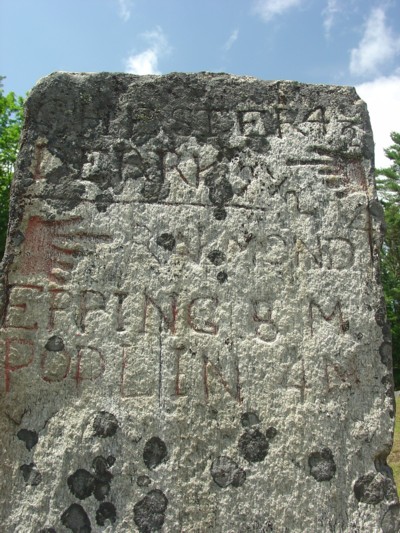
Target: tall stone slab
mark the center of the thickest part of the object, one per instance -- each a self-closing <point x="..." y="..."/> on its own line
<point x="193" y="333"/>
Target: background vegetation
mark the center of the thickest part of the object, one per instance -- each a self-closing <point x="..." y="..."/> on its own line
<point x="388" y="183"/>
<point x="11" y="115"/>
<point x="394" y="457"/>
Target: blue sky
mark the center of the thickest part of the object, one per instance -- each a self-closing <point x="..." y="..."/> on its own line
<point x="344" y="42"/>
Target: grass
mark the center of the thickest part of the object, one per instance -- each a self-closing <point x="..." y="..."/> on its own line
<point x="394" y="457"/>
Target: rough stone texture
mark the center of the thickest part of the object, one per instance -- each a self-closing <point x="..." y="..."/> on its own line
<point x="193" y="333"/>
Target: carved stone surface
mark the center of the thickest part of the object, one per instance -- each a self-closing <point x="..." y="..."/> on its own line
<point x="193" y="331"/>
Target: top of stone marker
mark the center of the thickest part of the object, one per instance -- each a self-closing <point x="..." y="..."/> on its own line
<point x="69" y="114"/>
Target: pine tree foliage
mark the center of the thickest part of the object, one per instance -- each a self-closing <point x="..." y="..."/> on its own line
<point x="11" y="115"/>
<point x="388" y="184"/>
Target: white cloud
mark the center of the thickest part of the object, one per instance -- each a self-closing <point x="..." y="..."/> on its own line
<point x="232" y="38"/>
<point x="382" y="96"/>
<point x="267" y="9"/>
<point x="377" y="46"/>
<point x="146" y="62"/>
<point x="329" y="13"/>
<point x="124" y="9"/>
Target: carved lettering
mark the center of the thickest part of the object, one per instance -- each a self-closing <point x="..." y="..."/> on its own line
<point x="199" y="312"/>
<point x="253" y="123"/>
<point x="305" y="251"/>
<point x="36" y="166"/>
<point x="340" y="253"/>
<point x="120" y="318"/>
<point x="360" y="220"/>
<point x="274" y="250"/>
<point x="221" y="121"/>
<point x="328" y="317"/>
<point x="266" y="329"/>
<point x="60" y="300"/>
<point x="90" y="364"/>
<point x="186" y="256"/>
<point x="316" y="116"/>
<point x="209" y="370"/>
<point x="180" y="381"/>
<point x="90" y="300"/>
<point x="19" y="312"/>
<point x="168" y="320"/>
<point x="51" y="247"/>
<point x="191" y="161"/>
<point x="295" y="204"/>
<point x="19" y="354"/>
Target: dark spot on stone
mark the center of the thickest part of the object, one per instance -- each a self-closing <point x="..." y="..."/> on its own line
<point x="220" y="191"/>
<point x="322" y="465"/>
<point x="76" y="519"/>
<point x="149" y="513"/>
<point x="385" y="351"/>
<point x="271" y="432"/>
<point x="249" y="419"/>
<point x="225" y="472"/>
<point x="111" y="460"/>
<point x="103" y="201"/>
<point x="143" y="481"/>
<point x="48" y="530"/>
<point x="63" y="197"/>
<point x="371" y="488"/>
<point x="106" y="511"/>
<point x="239" y="477"/>
<point x="55" y="344"/>
<point x="26" y="470"/>
<point x="340" y="194"/>
<point x="380" y="314"/>
<point x="100" y="466"/>
<point x="166" y="241"/>
<point x="101" y="489"/>
<point x="154" y="453"/>
<point x="31" y="475"/>
<point x="155" y="189"/>
<point x="105" y="424"/>
<point x="248" y="237"/>
<point x="387" y="333"/>
<point x="219" y="213"/>
<point x="216" y="257"/>
<point x="103" y="477"/>
<point x="253" y="445"/>
<point x="257" y="144"/>
<point x="81" y="483"/>
<point x="376" y="210"/>
<point x="29" y="437"/>
<point x="214" y="413"/>
<point x="222" y="276"/>
<point x="268" y="527"/>
<point x="18" y="238"/>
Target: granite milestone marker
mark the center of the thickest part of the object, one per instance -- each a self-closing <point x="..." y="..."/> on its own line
<point x="193" y="333"/>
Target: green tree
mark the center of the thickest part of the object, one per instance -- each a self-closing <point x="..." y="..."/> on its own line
<point x="11" y="115"/>
<point x="388" y="183"/>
